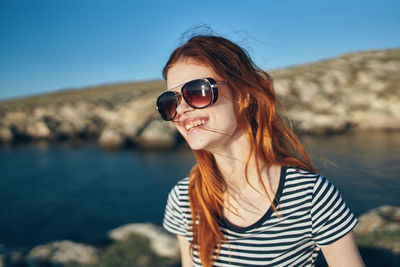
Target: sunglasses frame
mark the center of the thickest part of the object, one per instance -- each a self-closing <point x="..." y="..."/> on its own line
<point x="179" y="95"/>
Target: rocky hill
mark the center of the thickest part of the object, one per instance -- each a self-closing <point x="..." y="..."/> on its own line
<point x="358" y="91"/>
<point x="354" y="92"/>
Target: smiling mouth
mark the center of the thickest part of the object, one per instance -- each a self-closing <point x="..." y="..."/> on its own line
<point x="194" y="124"/>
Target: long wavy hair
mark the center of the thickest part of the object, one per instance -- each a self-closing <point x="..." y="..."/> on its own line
<point x="258" y="114"/>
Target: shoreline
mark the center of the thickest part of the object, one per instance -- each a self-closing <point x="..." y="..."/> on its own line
<point x="350" y="93"/>
<point x="377" y="235"/>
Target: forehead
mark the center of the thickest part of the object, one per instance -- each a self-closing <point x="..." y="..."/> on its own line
<point x="184" y="71"/>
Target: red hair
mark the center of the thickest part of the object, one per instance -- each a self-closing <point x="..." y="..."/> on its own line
<point x="271" y="137"/>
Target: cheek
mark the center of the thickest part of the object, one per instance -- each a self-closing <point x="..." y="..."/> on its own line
<point x="227" y="112"/>
<point x="177" y="126"/>
<point x="226" y="119"/>
<point x="231" y="116"/>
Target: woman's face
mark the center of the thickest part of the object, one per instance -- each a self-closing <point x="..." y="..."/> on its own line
<point x="218" y="126"/>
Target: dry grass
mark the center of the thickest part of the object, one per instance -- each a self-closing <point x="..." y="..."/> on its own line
<point x="105" y="95"/>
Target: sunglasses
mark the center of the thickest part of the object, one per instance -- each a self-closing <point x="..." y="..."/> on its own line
<point x="198" y="94"/>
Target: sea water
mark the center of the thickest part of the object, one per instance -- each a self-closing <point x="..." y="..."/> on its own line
<point x="58" y="191"/>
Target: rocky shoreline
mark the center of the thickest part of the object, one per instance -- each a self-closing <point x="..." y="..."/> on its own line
<point x="354" y="92"/>
<point x="145" y="244"/>
<point x="138" y="244"/>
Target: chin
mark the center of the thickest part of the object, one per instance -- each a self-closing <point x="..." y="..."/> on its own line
<point x="202" y="140"/>
<point x="196" y="146"/>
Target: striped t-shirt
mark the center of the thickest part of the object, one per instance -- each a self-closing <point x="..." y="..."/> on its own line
<point x="311" y="211"/>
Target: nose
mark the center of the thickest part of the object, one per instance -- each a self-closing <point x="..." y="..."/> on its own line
<point x="182" y="106"/>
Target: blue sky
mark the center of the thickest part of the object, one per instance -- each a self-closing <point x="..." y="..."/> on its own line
<point x="48" y="45"/>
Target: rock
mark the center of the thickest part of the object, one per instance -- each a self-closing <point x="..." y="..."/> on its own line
<point x="16" y="258"/>
<point x="372" y="121"/>
<point x="69" y="113"/>
<point x="163" y="243"/>
<point x="60" y="253"/>
<point x="105" y="115"/>
<point x="319" y="123"/>
<point x="356" y="91"/>
<point x="6" y="136"/>
<point x="73" y="120"/>
<point x="41" y="112"/>
<point x="158" y="134"/>
<point x="17" y="121"/>
<point x="111" y="139"/>
<point x="380" y="229"/>
<point x="65" y="130"/>
<point x="369" y="223"/>
<point x="133" y="117"/>
<point x="38" y="130"/>
<point x="384" y="218"/>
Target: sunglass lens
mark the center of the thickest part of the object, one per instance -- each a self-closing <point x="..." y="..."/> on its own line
<point x="166" y="105"/>
<point x="197" y="93"/>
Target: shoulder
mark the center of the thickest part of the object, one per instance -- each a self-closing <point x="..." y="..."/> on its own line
<point x="298" y="176"/>
<point x="182" y="187"/>
<point x="297" y="186"/>
<point x="183" y="184"/>
<point x="299" y="172"/>
<point x="177" y="211"/>
<point x="305" y="184"/>
<point x="179" y="194"/>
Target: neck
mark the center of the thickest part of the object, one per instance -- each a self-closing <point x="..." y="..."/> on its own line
<point x="231" y="162"/>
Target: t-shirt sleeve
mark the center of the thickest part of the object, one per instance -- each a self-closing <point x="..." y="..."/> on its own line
<point x="174" y="220"/>
<point x="330" y="216"/>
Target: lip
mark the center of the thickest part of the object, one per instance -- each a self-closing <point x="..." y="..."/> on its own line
<point x="186" y="121"/>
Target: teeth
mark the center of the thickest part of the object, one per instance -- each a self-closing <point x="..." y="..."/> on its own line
<point x="192" y="124"/>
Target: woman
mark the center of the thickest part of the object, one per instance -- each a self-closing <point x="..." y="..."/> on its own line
<point x="253" y="198"/>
